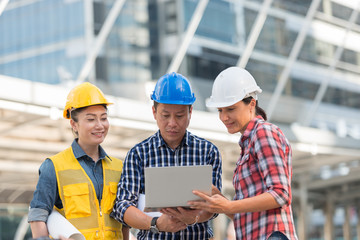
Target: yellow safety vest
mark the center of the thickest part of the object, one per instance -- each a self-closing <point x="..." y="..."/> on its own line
<point x="80" y="204"/>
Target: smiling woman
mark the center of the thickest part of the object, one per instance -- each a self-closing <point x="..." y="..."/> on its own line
<point x="81" y="181"/>
<point x="261" y="208"/>
<point x="90" y="125"/>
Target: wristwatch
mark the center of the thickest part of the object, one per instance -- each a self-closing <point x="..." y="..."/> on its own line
<point x="153" y="227"/>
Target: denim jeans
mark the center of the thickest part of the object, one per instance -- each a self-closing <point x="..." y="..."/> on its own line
<point x="277" y="236"/>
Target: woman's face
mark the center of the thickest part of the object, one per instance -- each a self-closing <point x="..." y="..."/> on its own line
<point x="236" y="117"/>
<point x="92" y="125"/>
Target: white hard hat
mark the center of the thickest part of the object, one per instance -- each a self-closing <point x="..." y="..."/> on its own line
<point x="231" y="86"/>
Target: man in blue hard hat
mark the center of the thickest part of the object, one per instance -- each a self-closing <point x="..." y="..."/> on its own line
<point x="171" y="145"/>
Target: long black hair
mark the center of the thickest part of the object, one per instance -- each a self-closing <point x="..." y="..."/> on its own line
<point x="258" y="110"/>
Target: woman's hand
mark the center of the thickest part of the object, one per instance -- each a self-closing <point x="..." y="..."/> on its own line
<point x="216" y="203"/>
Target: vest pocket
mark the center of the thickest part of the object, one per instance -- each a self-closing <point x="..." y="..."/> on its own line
<point x="110" y="195"/>
<point x="77" y="201"/>
<point x="112" y="234"/>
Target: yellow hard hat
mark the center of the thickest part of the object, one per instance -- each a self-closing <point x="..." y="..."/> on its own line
<point x="83" y="95"/>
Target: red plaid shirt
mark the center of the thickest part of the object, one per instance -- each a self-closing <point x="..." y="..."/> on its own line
<point x="264" y="166"/>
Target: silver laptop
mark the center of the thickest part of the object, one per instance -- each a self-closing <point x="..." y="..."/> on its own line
<point x="173" y="186"/>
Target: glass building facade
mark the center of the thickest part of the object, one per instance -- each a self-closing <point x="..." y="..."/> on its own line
<point x="39" y="37"/>
<point x="230" y="23"/>
<point x="223" y="34"/>
<point x="48" y="41"/>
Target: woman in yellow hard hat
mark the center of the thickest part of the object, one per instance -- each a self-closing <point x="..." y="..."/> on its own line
<point x="81" y="181"/>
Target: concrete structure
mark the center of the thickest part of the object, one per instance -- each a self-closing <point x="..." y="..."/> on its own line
<point x="304" y="54"/>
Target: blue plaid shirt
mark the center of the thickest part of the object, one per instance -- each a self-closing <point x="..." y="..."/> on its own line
<point x="154" y="152"/>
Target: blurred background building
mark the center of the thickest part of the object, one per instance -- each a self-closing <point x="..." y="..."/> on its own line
<point x="305" y="55"/>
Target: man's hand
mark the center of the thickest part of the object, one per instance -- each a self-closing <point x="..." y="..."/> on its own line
<point x="167" y="223"/>
<point x="187" y="216"/>
<point x="215" y="190"/>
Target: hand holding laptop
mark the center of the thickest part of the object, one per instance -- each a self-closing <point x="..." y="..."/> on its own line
<point x="185" y="215"/>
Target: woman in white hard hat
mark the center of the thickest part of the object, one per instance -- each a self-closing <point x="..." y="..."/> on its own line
<point x="262" y="178"/>
<point x="81" y="181"/>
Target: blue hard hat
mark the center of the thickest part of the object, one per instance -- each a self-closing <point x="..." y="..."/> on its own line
<point x="173" y="88"/>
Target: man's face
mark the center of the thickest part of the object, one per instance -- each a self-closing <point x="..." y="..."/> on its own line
<point x="172" y="121"/>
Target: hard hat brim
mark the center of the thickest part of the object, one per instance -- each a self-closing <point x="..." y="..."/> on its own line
<point x="212" y="104"/>
<point x="176" y="102"/>
<point x="65" y="112"/>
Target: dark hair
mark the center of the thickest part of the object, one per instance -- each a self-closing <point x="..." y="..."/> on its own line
<point x="75" y="112"/>
<point x="156" y="104"/>
<point x="258" y="110"/>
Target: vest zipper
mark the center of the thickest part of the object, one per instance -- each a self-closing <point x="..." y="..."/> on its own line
<point x="100" y="211"/>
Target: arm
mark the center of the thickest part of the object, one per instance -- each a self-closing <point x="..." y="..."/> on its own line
<point x="44" y="199"/>
<point x="39" y="229"/>
<point x="214" y="159"/>
<point x="129" y="188"/>
<point x="262" y="202"/>
<point x="214" y="191"/>
<point x="275" y="174"/>
<point x="125" y="233"/>
<point x="273" y="153"/>
<point x="219" y="204"/>
<point x="137" y="219"/>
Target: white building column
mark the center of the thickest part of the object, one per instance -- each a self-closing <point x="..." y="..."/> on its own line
<point x="358" y="220"/>
<point x="292" y="57"/>
<point x="303" y="213"/>
<point x="329" y="214"/>
<point x="188" y="36"/>
<point x="347" y="223"/>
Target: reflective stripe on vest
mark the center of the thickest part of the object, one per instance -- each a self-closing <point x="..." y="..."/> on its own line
<point x="77" y="193"/>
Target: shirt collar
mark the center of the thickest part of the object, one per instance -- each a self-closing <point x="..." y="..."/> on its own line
<point x="250" y="127"/>
<point x="79" y="152"/>
<point x="161" y="142"/>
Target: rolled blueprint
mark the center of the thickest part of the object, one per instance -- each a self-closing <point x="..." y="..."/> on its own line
<point x="58" y="226"/>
